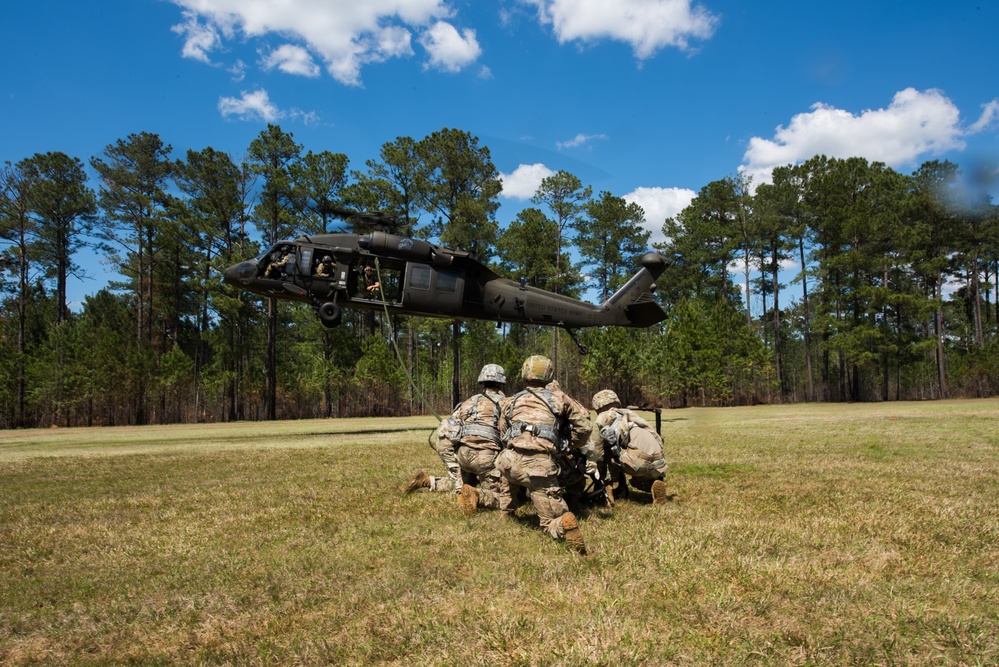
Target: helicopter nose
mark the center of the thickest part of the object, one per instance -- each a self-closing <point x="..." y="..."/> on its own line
<point x="241" y="273"/>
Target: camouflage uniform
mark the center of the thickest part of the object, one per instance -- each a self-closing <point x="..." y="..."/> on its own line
<point x="325" y="268"/>
<point x="480" y="443"/>
<point x="632" y="441"/>
<point x="534" y="418"/>
<point x="448" y="431"/>
<point x="278" y="266"/>
<point x="468" y="442"/>
<point x="370" y="279"/>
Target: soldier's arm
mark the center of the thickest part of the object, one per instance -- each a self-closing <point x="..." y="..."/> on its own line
<point x="579" y="422"/>
<point x="504" y="420"/>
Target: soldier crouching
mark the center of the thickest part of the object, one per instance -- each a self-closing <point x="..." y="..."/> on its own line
<point x="537" y="418"/>
<point x="480" y="443"/>
<point x="634" y="447"/>
<point x="448" y="431"/>
<point x="468" y="442"/>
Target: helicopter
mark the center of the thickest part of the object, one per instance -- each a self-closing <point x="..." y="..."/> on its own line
<point x="383" y="270"/>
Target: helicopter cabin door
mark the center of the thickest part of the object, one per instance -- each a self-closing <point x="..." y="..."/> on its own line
<point x="433" y="290"/>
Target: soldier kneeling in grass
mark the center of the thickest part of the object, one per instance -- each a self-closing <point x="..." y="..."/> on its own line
<point x="468" y="442"/>
<point x="635" y="449"/>
<point x="542" y="420"/>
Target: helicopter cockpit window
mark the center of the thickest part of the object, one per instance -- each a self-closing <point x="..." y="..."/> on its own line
<point x="419" y="277"/>
<point x="447" y="282"/>
<point x="280" y="263"/>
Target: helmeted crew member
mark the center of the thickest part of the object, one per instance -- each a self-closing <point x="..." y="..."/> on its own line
<point x="542" y="419"/>
<point x="278" y="266"/>
<point x="482" y="422"/>
<point x="632" y="443"/>
<point x="325" y="268"/>
<point x="371" y="283"/>
<point x="468" y="442"/>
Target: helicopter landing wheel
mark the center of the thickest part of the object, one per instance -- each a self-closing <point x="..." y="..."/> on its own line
<point x="329" y="314"/>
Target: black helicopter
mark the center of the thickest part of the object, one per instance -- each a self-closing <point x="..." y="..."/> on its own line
<point x="383" y="270"/>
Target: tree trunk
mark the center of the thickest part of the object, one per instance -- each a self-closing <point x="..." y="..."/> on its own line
<point x="777" y="355"/>
<point x="270" y="392"/>
<point x="807" y="325"/>
<point x="456" y="374"/>
<point x="939" y="330"/>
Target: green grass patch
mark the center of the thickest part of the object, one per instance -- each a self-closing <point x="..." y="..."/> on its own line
<point x="709" y="470"/>
<point x="814" y="534"/>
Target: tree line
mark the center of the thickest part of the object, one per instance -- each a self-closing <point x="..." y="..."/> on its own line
<point x="891" y="296"/>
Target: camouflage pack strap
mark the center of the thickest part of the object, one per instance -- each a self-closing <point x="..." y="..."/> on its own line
<point x="556" y="428"/>
<point x="573" y="459"/>
<point x="543" y="431"/>
<point x="490" y="433"/>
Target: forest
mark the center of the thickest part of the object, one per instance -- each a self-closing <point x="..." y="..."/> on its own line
<point x="855" y="283"/>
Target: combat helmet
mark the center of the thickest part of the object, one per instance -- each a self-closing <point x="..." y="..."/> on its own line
<point x="605" y="398"/>
<point x="492" y="373"/>
<point x="537" y="368"/>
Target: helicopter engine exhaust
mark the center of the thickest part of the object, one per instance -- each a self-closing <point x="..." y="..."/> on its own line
<point x="379" y="243"/>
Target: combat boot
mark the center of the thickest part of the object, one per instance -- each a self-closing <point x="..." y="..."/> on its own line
<point x="468" y="499"/>
<point x="420" y="481"/>
<point x="573" y="533"/>
<point x="609" y="495"/>
<point x="659" y="496"/>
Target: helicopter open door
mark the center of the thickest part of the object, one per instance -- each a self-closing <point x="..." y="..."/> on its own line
<point x="432" y="289"/>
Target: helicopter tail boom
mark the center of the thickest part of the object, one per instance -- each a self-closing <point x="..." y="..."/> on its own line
<point x="633" y="305"/>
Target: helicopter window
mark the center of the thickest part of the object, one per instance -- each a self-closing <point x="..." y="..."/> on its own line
<point x="447" y="282"/>
<point x="420" y="277"/>
<point x="305" y="260"/>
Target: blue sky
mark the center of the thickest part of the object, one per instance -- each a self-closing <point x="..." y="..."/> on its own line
<point x="647" y="99"/>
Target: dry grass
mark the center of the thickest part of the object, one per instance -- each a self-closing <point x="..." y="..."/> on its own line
<point x="859" y="534"/>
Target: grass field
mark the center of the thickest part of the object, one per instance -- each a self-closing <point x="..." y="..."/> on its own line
<point x="807" y="534"/>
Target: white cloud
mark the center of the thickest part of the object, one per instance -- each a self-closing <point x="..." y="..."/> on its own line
<point x="238" y="71"/>
<point x="647" y="25"/>
<point x="449" y="50"/>
<point x="579" y="140"/>
<point x="659" y="204"/>
<point x="257" y="105"/>
<point x="250" y="106"/>
<point x="525" y="180"/>
<point x="291" y="59"/>
<point x="346" y="34"/>
<point x="914" y="124"/>
<point x="989" y="118"/>
<point x="199" y="40"/>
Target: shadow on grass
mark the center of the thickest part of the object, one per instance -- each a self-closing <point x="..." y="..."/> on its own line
<point x="367" y="431"/>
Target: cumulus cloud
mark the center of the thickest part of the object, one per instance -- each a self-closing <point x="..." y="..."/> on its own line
<point x="199" y="39"/>
<point x="238" y="70"/>
<point x="659" y="204"/>
<point x="647" y="25"/>
<point x="257" y="105"/>
<point x="988" y="119"/>
<point x="916" y="123"/>
<point x="291" y="59"/>
<point x="525" y="180"/>
<point x="345" y="34"/>
<point x="579" y="140"/>
<point x="450" y="50"/>
<point x="251" y="106"/>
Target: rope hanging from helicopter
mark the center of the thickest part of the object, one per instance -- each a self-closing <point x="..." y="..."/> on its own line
<point x="398" y="355"/>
